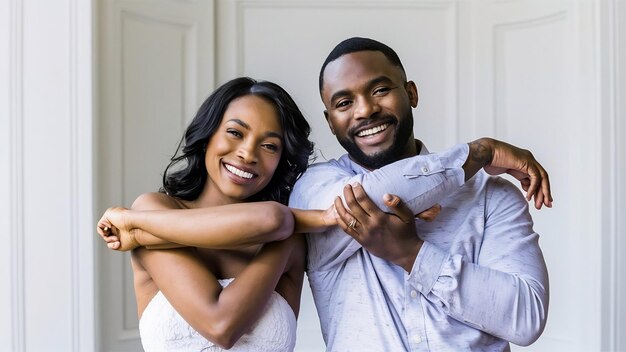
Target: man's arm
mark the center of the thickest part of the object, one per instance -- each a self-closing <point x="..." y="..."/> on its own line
<point x="421" y="181"/>
<point x="504" y="290"/>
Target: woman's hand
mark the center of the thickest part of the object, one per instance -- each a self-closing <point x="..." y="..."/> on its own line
<point x="309" y="221"/>
<point x="329" y="216"/>
<point x="115" y="229"/>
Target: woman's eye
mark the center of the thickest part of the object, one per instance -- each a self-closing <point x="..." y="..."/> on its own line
<point x="271" y="147"/>
<point x="234" y="132"/>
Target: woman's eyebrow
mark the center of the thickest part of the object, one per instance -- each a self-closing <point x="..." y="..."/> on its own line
<point x="247" y="127"/>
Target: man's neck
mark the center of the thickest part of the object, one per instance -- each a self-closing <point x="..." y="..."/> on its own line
<point x="418" y="146"/>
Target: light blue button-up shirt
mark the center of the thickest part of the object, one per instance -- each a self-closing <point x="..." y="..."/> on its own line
<point x="478" y="281"/>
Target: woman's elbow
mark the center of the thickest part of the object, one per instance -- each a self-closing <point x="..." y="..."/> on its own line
<point x="220" y="334"/>
<point x="278" y="222"/>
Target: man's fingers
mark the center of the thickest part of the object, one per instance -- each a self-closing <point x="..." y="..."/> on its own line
<point x="344" y="218"/>
<point x="365" y="202"/>
<point x="430" y="214"/>
<point x="353" y="204"/>
<point x="545" y="187"/>
<point x="397" y="206"/>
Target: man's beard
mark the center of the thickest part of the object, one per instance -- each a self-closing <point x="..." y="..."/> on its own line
<point x="404" y="130"/>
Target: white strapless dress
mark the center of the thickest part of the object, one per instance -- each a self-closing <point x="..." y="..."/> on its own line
<point x="163" y="329"/>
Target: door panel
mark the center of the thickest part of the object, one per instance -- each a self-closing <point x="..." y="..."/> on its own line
<point x="157" y="67"/>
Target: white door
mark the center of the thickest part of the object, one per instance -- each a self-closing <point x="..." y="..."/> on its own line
<point x="155" y="66"/>
<point x="523" y="71"/>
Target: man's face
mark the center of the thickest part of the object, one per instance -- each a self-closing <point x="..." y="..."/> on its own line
<point x="368" y="108"/>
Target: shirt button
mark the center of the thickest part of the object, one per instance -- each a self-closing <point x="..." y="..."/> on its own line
<point x="417" y="339"/>
<point x="424" y="169"/>
<point x="413" y="293"/>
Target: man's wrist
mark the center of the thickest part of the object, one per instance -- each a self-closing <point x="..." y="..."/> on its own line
<point x="480" y="155"/>
<point x="407" y="261"/>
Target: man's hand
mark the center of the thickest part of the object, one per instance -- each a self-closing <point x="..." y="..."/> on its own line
<point x="116" y="231"/>
<point x="497" y="157"/>
<point x="389" y="236"/>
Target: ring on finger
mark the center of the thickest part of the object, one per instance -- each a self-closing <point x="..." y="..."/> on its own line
<point x="352" y="224"/>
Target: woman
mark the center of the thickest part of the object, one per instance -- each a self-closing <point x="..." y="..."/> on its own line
<point x="240" y="157"/>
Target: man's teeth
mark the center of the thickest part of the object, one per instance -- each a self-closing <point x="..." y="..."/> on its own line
<point x="372" y="131"/>
<point x="238" y="172"/>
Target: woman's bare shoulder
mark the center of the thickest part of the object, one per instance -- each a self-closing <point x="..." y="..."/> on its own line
<point x="156" y="201"/>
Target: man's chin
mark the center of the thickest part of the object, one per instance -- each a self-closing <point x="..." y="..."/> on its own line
<point x="375" y="160"/>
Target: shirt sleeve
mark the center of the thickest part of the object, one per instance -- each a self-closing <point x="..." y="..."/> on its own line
<point x="421" y="181"/>
<point x="504" y="292"/>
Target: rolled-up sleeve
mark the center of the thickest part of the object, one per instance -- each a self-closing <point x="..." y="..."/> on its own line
<point x="421" y="181"/>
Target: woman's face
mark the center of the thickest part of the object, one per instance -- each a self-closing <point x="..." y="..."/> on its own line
<point x="244" y="152"/>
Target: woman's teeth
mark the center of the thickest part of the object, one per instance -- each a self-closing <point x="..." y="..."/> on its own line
<point x="238" y="172"/>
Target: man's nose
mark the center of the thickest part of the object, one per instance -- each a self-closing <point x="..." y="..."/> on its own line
<point x="366" y="107"/>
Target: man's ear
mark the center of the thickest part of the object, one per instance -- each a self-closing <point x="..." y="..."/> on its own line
<point x="411" y="90"/>
<point x="332" y="130"/>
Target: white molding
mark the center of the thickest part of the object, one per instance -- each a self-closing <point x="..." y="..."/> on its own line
<point x="242" y="5"/>
<point x="80" y="147"/>
<point x="612" y="267"/>
<point x="73" y="175"/>
<point x="16" y="167"/>
<point x="499" y="84"/>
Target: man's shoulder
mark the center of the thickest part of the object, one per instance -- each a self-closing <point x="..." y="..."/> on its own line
<point x="497" y="189"/>
<point x="332" y="166"/>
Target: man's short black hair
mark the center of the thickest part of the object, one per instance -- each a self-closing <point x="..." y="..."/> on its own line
<point x="355" y="44"/>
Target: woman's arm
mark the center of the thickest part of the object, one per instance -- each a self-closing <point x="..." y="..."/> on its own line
<point x="222" y="315"/>
<point x="258" y="222"/>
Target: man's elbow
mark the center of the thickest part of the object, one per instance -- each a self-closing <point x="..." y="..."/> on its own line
<point x="528" y="338"/>
<point x="531" y="332"/>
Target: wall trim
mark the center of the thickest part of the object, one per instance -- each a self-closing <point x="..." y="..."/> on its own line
<point x="80" y="147"/>
<point x="607" y="67"/>
<point x="16" y="167"/>
<point x="242" y="5"/>
<point x="499" y="84"/>
<point x="73" y="177"/>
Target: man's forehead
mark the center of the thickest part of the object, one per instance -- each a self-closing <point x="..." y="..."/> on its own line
<point x="359" y="66"/>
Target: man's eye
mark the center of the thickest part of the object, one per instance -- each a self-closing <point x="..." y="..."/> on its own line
<point x="343" y="103"/>
<point x="381" y="90"/>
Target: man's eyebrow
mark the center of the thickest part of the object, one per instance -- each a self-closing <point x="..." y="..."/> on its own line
<point x="378" y="80"/>
<point x="372" y="82"/>
<point x="246" y="126"/>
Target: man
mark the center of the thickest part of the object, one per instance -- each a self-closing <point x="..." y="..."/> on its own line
<point x="474" y="279"/>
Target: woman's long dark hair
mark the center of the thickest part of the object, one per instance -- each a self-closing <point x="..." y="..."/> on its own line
<point x="186" y="175"/>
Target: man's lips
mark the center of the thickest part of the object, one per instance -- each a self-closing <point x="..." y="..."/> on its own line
<point x="373" y="130"/>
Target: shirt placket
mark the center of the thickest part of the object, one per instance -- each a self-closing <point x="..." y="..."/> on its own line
<point x="414" y="318"/>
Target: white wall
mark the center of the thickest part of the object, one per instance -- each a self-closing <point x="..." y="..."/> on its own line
<point x="47" y="295"/>
<point x="46" y="143"/>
